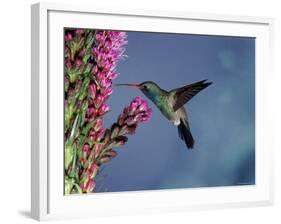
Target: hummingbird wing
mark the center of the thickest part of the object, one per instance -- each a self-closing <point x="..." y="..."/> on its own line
<point x="183" y="94"/>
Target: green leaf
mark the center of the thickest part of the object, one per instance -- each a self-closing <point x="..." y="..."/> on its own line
<point x="66" y="84"/>
<point x="82" y="113"/>
<point x="68" y="155"/>
<point x="74" y="47"/>
<point x="84" y="89"/>
<point x="78" y="188"/>
<point x="114" y="130"/>
<point x="74" y="129"/>
<point x="73" y="168"/>
<point x="73" y="75"/>
<point x="68" y="185"/>
<point x="88" y="69"/>
<point x="85" y="130"/>
<point x="90" y="40"/>
<point x="86" y="57"/>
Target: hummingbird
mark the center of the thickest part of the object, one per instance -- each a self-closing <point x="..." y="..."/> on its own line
<point x="171" y="104"/>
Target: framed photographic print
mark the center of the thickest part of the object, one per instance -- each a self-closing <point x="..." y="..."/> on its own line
<point x="148" y="111"/>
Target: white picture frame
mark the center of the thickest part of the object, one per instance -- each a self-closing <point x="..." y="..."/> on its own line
<point x="47" y="199"/>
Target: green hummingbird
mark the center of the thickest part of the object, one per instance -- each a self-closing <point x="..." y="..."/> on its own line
<point x="171" y="104"/>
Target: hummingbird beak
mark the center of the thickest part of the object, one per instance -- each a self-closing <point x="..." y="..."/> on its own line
<point x="131" y="85"/>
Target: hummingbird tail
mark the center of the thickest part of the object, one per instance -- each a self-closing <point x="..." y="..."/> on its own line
<point x="185" y="133"/>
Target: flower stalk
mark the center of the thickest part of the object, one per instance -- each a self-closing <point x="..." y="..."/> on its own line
<point x="91" y="57"/>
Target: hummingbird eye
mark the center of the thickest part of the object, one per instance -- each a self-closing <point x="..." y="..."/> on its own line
<point x="145" y="87"/>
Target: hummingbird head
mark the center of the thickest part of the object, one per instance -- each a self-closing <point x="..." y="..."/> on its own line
<point x="149" y="88"/>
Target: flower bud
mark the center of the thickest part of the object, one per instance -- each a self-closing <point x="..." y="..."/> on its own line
<point x="95" y="70"/>
<point x="98" y="125"/>
<point x="105" y="159"/>
<point x="111" y="154"/>
<point x="78" y="62"/>
<point x="98" y="101"/>
<point x="91" y="113"/>
<point x="112" y="75"/>
<point x="86" y="151"/>
<point x="107" y="92"/>
<point x="120" y="140"/>
<point x="82" y="53"/>
<point x="103" y="109"/>
<point x="92" y="90"/>
<point x="100" y="134"/>
<point x="114" y="130"/>
<point x="97" y="149"/>
<point x="90" y="186"/>
<point x="107" y="136"/>
<point x="93" y="169"/>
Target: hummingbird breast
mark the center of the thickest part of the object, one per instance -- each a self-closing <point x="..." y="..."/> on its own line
<point x="165" y="105"/>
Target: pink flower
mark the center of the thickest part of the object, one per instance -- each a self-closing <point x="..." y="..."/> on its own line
<point x="91" y="185"/>
<point x="100" y="76"/>
<point x="92" y="90"/>
<point x="78" y="62"/>
<point x="86" y="148"/>
<point x="133" y="107"/>
<point x="108" y="49"/>
<point x="93" y="169"/>
<point x="143" y="106"/>
<point x="88" y="186"/>
<point x="112" y="75"/>
<point x="138" y="111"/>
<point x="105" y="84"/>
<point x="96" y="52"/>
<point x="98" y="101"/>
<point x="103" y="109"/>
<point x="107" y="93"/>
<point x="95" y="70"/>
<point x="87" y="176"/>
<point x="81" y="53"/>
<point x="97" y="149"/>
<point x="97" y="135"/>
<point x="91" y="113"/>
<point x="86" y="152"/>
<point x="98" y="124"/>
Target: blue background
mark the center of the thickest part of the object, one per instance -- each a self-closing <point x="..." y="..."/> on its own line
<point x="222" y="117"/>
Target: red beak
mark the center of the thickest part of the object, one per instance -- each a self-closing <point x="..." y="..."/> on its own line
<point x="131" y="85"/>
